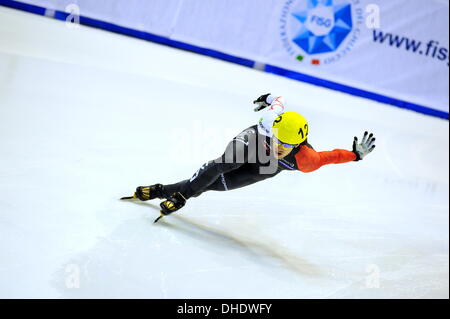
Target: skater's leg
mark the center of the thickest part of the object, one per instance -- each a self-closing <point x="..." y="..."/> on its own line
<point x="182" y="188"/>
<point x="238" y="178"/>
<point x="211" y="173"/>
<point x="175" y="188"/>
<point x="145" y="193"/>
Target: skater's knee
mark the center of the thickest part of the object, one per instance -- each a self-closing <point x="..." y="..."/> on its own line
<point x="224" y="167"/>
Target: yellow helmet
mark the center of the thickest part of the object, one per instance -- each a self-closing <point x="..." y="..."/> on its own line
<point x="290" y="128"/>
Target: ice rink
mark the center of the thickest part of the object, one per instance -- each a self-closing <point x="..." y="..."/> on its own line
<point x="87" y="115"/>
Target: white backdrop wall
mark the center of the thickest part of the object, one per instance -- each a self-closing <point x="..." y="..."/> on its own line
<point x="402" y="52"/>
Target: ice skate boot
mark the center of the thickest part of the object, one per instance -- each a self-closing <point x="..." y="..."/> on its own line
<point x="145" y="193"/>
<point x="171" y="205"/>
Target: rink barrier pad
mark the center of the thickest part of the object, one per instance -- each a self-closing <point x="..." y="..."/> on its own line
<point x="62" y="16"/>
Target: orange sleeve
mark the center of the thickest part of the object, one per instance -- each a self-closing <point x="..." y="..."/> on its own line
<point x="308" y="160"/>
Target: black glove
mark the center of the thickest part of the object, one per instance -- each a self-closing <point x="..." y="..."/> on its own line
<point x="365" y="147"/>
<point x="261" y="102"/>
<point x="172" y="204"/>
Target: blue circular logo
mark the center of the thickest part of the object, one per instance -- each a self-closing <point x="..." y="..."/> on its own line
<point x="315" y="27"/>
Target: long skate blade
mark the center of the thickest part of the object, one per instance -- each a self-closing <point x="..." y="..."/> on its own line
<point x="129" y="197"/>
<point x="157" y="219"/>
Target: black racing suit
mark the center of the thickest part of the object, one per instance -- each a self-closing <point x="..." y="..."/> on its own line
<point x="248" y="159"/>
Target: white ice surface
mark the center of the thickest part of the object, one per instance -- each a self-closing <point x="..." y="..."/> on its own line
<point x="87" y="115"/>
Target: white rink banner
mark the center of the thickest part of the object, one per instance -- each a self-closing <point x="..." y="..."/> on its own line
<point x="394" y="48"/>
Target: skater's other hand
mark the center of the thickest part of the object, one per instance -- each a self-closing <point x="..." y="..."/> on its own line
<point x="365" y="147"/>
<point x="261" y="102"/>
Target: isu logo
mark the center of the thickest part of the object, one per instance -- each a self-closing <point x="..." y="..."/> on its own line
<point x="320" y="31"/>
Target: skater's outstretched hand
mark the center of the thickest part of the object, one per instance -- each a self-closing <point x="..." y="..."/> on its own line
<point x="261" y="102"/>
<point x="365" y="147"/>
